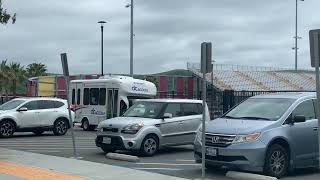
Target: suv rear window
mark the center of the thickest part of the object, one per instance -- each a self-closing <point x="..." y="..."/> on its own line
<point x="58" y="104"/>
<point x="45" y="104"/>
<point x="191" y="109"/>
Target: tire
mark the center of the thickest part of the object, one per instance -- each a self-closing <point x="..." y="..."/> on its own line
<point x="106" y="150"/>
<point x="85" y="125"/>
<point x="38" y="132"/>
<point x="209" y="166"/>
<point x="92" y="127"/>
<point x="60" y="127"/>
<point x="149" y="145"/>
<point x="7" y="128"/>
<point x="277" y="161"/>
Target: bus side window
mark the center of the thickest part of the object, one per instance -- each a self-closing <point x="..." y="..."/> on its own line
<point x="94" y="96"/>
<point x="123" y="107"/>
<point x="78" y="96"/>
<point x="73" y="96"/>
<point x="102" y="97"/>
<point x="86" y="96"/>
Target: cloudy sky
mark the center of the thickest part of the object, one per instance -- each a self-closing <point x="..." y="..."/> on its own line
<point x="168" y="33"/>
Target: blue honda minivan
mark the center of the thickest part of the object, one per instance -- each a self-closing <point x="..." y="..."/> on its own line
<point x="272" y="133"/>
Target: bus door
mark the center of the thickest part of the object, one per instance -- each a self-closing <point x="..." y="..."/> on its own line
<point x="112" y="102"/>
<point x="76" y="99"/>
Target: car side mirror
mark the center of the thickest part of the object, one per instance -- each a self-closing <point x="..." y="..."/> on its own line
<point x="299" y="118"/>
<point x="167" y="116"/>
<point x="22" y="109"/>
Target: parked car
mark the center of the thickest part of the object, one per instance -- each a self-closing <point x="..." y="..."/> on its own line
<point x="272" y="133"/>
<point x="34" y="115"/>
<point x="151" y="124"/>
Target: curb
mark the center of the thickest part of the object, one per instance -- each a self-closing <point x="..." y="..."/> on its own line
<point x="248" y="176"/>
<point x="122" y="157"/>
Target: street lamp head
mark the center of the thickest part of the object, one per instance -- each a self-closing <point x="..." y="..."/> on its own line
<point x="128" y="5"/>
<point x="102" y="22"/>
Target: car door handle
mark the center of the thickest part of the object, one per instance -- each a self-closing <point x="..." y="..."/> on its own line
<point x="180" y="122"/>
<point x="315" y="128"/>
<point x="37" y="112"/>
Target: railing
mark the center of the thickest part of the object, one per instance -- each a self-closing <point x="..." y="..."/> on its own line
<point x="229" y="67"/>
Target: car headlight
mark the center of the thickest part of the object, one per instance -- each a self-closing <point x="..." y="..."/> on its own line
<point x="132" y="128"/>
<point x="246" y="138"/>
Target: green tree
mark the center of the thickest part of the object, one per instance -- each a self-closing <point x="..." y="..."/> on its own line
<point x="17" y="75"/>
<point x="5" y="17"/>
<point x="36" y="69"/>
<point x="4" y="78"/>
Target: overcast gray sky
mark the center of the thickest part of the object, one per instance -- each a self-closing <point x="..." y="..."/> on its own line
<point x="168" y="33"/>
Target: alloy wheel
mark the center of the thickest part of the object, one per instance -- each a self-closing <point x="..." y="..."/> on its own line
<point x="7" y="129"/>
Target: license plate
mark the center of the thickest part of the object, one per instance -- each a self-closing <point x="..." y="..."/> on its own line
<point x="106" y="140"/>
<point x="211" y="152"/>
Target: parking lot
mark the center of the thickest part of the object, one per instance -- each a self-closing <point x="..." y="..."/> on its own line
<point x="175" y="161"/>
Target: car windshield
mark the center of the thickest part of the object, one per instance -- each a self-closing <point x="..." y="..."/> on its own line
<point x="260" y="109"/>
<point x="11" y="105"/>
<point x="145" y="110"/>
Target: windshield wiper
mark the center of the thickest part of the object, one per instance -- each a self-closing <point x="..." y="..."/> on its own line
<point x="254" y="118"/>
<point x="230" y="117"/>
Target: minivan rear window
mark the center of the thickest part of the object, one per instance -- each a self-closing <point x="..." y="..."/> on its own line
<point x="260" y="109"/>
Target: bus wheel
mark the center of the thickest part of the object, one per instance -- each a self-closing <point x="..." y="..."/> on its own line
<point x="85" y="125"/>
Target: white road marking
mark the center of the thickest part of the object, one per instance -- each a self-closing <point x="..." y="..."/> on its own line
<point x="185" y="160"/>
<point x="167" y="169"/>
<point x="53" y="148"/>
<point x="169" y="164"/>
<point x="49" y="151"/>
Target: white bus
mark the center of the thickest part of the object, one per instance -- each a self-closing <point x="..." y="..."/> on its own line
<point x="95" y="100"/>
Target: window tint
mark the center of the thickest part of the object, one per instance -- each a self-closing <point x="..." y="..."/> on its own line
<point x="78" y="96"/>
<point x="315" y="106"/>
<point x="102" y="98"/>
<point x="305" y="109"/>
<point x="73" y="96"/>
<point x="191" y="109"/>
<point x="174" y="109"/>
<point x="94" y="96"/>
<point x="58" y="104"/>
<point x="86" y="96"/>
<point x="33" y="105"/>
<point x="123" y="107"/>
<point x="45" y="104"/>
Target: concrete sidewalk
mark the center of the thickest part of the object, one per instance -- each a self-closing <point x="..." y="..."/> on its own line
<point x="15" y="165"/>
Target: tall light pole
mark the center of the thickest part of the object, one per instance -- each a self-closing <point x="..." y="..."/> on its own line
<point x="296" y="37"/>
<point x="101" y="25"/>
<point x="131" y="37"/>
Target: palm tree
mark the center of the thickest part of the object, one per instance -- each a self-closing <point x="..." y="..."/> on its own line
<point x="4" y="77"/>
<point x="36" y="69"/>
<point x="17" y="74"/>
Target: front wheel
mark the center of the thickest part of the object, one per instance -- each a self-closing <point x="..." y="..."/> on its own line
<point x="60" y="127"/>
<point x="7" y="128"/>
<point x="107" y="150"/>
<point x="149" y="145"/>
<point x="85" y="125"/>
<point x="277" y="161"/>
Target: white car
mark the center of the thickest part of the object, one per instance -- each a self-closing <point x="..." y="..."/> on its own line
<point x="34" y="115"/>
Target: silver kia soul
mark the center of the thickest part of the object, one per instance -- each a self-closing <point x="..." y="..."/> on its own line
<point x="272" y="133"/>
<point x="151" y="124"/>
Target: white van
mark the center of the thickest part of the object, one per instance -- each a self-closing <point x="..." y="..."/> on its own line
<point x="95" y="100"/>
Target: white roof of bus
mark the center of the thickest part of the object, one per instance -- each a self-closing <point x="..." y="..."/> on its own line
<point x="128" y="84"/>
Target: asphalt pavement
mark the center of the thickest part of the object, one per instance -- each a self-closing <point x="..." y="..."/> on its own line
<point x="173" y="161"/>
